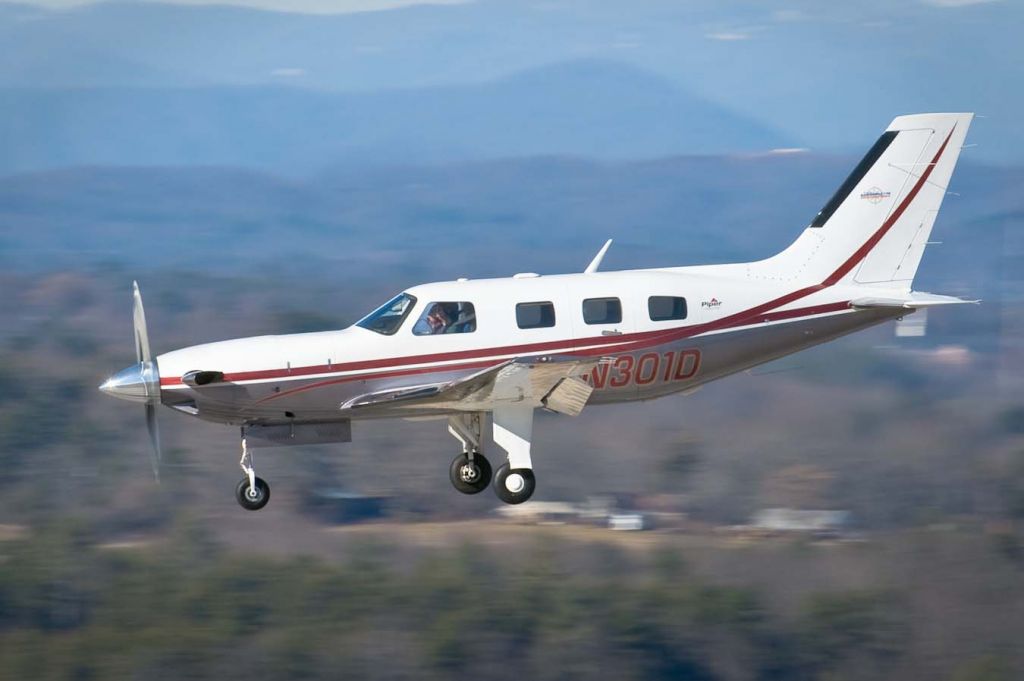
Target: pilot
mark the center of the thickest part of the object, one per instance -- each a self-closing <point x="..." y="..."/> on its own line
<point x="438" y="319"/>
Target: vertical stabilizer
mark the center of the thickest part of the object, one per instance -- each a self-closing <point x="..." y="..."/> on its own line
<point x="874" y="229"/>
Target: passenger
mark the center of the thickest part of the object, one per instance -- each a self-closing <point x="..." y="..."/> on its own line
<point x="465" y="318"/>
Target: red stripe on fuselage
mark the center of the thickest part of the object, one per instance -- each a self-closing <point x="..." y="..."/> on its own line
<point x="589" y="352"/>
<point x="525" y="349"/>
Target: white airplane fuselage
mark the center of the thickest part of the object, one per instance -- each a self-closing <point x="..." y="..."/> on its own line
<point x="729" y="326"/>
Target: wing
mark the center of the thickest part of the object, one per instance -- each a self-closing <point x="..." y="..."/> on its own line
<point x="553" y="381"/>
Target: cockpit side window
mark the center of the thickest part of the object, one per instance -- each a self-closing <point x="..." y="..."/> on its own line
<point x="388" y="318"/>
<point x="443" y="317"/>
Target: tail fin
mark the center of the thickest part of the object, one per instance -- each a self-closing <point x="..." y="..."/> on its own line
<point x="875" y="227"/>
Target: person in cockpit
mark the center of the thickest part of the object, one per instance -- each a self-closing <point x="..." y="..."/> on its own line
<point x="446" y="318"/>
<point x="435" y="321"/>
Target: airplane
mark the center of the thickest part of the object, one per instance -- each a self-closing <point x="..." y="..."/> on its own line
<point x="468" y="351"/>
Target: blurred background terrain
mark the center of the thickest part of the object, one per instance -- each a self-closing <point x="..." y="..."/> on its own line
<point x="852" y="512"/>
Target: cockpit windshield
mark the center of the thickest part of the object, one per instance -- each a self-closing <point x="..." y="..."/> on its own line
<point x="387" y="318"/>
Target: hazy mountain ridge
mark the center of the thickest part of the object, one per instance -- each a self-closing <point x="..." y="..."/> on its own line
<point x="587" y="108"/>
<point x="824" y="74"/>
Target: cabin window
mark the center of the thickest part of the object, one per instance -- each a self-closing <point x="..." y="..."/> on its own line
<point x="443" y="317"/>
<point x="539" y="315"/>
<point x="388" y="318"/>
<point x="602" y="311"/>
<point x="664" y="308"/>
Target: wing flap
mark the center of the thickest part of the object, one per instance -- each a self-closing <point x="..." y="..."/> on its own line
<point x="550" y="381"/>
<point x="569" y="396"/>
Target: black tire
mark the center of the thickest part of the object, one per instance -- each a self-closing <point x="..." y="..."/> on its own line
<point x="470" y="478"/>
<point x="527" y="483"/>
<point x="256" y="501"/>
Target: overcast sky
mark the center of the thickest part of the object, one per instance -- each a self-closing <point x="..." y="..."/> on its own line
<point x="347" y="6"/>
<point x="310" y="6"/>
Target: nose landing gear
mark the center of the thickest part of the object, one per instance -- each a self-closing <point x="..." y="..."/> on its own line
<point x="252" y="497"/>
<point x="252" y="493"/>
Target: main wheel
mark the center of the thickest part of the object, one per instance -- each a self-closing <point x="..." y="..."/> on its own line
<point x="255" y="498"/>
<point x="470" y="477"/>
<point x="514" y="485"/>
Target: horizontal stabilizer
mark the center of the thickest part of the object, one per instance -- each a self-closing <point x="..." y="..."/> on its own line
<point x="912" y="301"/>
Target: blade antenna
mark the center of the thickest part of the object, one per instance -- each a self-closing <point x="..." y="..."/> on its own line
<point x="596" y="262"/>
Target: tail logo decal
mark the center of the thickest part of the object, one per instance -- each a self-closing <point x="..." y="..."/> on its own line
<point x="875" y="195"/>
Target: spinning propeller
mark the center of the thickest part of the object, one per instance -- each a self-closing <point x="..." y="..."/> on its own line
<point x="141" y="381"/>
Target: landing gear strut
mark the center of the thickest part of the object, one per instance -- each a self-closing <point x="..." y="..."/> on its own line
<point x="470" y="471"/>
<point x="514" y="481"/>
<point x="252" y="493"/>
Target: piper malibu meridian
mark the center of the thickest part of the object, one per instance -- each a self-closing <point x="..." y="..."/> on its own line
<point x="462" y="349"/>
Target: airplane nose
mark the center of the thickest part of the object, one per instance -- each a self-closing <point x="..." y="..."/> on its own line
<point x="137" y="383"/>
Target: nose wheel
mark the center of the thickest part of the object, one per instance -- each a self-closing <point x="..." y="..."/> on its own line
<point x="252" y="493"/>
<point x="252" y="497"/>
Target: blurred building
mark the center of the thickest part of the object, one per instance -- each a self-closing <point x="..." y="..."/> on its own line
<point x="821" y="523"/>
<point x="540" y="511"/>
<point x="613" y="511"/>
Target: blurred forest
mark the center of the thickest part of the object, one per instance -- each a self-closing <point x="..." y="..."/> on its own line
<point x="104" y="574"/>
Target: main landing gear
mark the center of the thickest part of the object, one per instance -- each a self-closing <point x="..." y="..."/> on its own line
<point x="514" y="485"/>
<point x="470" y="471"/>
<point x="252" y="493"/>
